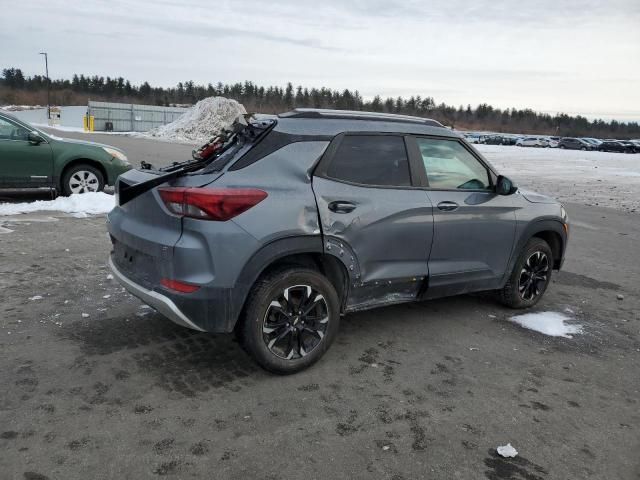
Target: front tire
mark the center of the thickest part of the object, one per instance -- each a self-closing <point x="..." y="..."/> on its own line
<point x="290" y="319"/>
<point x="82" y="178"/>
<point x="530" y="277"/>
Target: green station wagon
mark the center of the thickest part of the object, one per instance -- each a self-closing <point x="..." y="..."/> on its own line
<point x="31" y="159"/>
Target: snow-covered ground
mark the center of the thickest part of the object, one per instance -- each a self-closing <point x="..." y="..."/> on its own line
<point x="590" y="178"/>
<point x="78" y="205"/>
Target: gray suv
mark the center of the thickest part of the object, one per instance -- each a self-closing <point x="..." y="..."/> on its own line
<point x="278" y="227"/>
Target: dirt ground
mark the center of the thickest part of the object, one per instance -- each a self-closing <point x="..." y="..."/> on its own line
<point x="97" y="386"/>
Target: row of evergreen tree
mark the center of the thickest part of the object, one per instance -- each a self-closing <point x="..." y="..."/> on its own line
<point x="276" y="99"/>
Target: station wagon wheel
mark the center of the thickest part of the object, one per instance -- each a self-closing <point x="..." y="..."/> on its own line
<point x="83" y="181"/>
<point x="530" y="275"/>
<point x="82" y="178"/>
<point x="290" y="319"/>
<point x="534" y="275"/>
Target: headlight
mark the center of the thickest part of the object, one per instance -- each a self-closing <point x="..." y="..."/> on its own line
<point x="117" y="154"/>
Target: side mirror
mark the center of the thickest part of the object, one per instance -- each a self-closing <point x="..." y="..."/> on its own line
<point x="35" y="138"/>
<point x="505" y="186"/>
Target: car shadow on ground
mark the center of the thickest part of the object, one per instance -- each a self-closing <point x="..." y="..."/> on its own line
<point x="26" y="197"/>
<point x="181" y="360"/>
<point x="186" y="361"/>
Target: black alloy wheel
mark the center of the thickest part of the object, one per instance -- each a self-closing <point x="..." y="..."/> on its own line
<point x="530" y="275"/>
<point x="534" y="276"/>
<point x="295" y="322"/>
<point x="291" y="317"/>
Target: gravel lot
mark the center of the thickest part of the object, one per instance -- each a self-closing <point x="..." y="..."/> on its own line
<point x="97" y="386"/>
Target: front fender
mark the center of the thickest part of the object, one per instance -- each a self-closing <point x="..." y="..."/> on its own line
<point x="545" y="224"/>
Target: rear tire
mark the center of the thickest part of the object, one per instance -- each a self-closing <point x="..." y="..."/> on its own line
<point x="530" y="277"/>
<point x="82" y="178"/>
<point x="290" y="319"/>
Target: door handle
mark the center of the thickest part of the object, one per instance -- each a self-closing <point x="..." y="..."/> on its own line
<point x="341" y="207"/>
<point x="448" y="206"/>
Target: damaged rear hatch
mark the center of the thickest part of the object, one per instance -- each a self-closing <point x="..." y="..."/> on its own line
<point x="142" y="228"/>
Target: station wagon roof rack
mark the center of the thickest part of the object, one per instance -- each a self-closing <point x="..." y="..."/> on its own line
<point x="357" y="115"/>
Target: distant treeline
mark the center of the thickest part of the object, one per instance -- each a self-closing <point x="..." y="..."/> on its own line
<point x="15" y="88"/>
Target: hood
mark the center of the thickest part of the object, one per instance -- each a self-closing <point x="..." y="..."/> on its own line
<point x="535" y="197"/>
<point x="81" y="142"/>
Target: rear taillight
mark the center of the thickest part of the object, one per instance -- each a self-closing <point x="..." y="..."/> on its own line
<point x="218" y="204"/>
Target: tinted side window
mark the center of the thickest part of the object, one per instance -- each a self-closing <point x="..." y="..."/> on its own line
<point x="371" y="160"/>
<point x="450" y="166"/>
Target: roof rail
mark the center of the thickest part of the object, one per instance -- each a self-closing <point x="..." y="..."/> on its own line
<point x="357" y="115"/>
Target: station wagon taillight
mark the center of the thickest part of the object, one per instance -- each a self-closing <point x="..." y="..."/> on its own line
<point x="218" y="204"/>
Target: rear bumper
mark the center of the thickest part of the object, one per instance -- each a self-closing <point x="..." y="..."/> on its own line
<point x="161" y="303"/>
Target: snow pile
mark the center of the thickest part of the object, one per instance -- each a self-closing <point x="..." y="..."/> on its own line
<point x="201" y="122"/>
<point x="549" y="323"/>
<point x="507" y="451"/>
<point x="79" y="205"/>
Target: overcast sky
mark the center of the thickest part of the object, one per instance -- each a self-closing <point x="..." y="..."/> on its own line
<point x="550" y="55"/>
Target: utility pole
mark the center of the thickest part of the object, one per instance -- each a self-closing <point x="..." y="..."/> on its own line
<point x="46" y="66"/>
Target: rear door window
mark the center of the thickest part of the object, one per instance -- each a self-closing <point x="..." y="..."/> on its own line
<point x="449" y="165"/>
<point x="371" y="160"/>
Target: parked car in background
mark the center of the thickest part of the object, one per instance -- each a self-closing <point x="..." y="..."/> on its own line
<point x="294" y="221"/>
<point x="593" y="141"/>
<point x="494" y="140"/>
<point x="508" y="139"/>
<point x="571" y="143"/>
<point x="630" y="146"/>
<point x="474" y="138"/>
<point x="548" y="142"/>
<point x="529" y="142"/>
<point x="616" y="146"/>
<point x="31" y="159"/>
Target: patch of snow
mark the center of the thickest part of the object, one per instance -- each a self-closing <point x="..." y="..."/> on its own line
<point x="201" y="122"/>
<point x="36" y="297"/>
<point x="79" y="205"/>
<point x="507" y="451"/>
<point x="19" y="108"/>
<point x="550" y="323"/>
